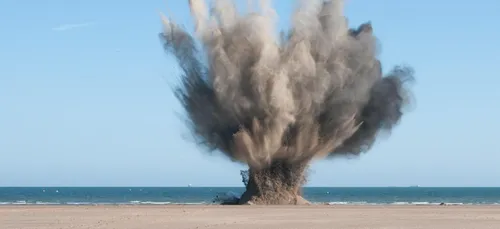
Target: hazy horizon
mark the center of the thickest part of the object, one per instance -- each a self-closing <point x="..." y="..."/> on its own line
<point x="241" y="186"/>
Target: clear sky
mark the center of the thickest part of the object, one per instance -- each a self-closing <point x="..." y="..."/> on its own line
<point x="85" y="98"/>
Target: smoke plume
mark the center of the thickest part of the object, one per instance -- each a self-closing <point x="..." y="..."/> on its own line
<point x="316" y="91"/>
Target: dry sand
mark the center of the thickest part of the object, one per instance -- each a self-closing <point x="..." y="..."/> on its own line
<point x="242" y="217"/>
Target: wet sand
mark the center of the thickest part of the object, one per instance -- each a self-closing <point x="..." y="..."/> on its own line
<point x="246" y="217"/>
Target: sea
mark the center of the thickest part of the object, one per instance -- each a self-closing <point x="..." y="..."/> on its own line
<point x="214" y="195"/>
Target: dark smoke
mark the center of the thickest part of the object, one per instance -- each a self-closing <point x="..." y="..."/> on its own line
<point x="316" y="91"/>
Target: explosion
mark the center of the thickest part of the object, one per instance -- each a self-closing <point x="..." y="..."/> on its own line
<point x="276" y="103"/>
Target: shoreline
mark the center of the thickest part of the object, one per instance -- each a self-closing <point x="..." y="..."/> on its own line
<point x="248" y="217"/>
<point x="152" y="203"/>
<point x="244" y="206"/>
<point x="216" y="195"/>
<point x="201" y="206"/>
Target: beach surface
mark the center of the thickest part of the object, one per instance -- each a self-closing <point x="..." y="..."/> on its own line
<point x="246" y="217"/>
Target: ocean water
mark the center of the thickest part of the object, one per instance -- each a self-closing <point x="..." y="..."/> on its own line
<point x="206" y="195"/>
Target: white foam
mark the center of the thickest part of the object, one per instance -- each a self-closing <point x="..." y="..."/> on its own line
<point x="400" y="203"/>
<point x="79" y="203"/>
<point x="21" y="202"/>
<point x="154" y="203"/>
<point x="422" y="203"/>
<point x="46" y="203"/>
<point x="349" y="203"/>
<point x="137" y="202"/>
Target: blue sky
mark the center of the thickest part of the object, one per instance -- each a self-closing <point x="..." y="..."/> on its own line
<point x="85" y="97"/>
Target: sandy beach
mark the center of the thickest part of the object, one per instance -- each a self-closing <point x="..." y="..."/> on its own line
<point x="246" y="217"/>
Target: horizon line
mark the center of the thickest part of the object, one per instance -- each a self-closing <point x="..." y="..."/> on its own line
<point x="391" y="186"/>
